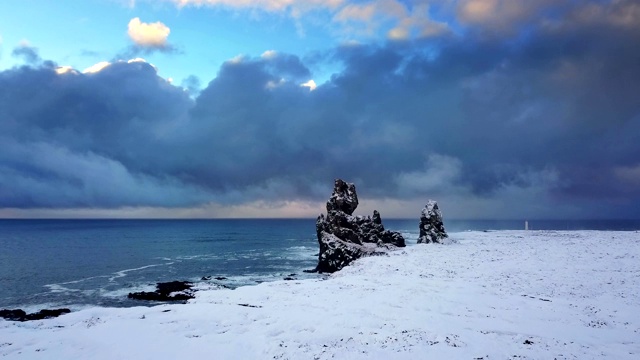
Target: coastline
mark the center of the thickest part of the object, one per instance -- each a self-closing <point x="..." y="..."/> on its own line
<point x="499" y="294"/>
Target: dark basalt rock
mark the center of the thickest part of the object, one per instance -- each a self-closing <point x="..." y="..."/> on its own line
<point x="337" y="253"/>
<point x="21" y="315"/>
<point x="344" y="198"/>
<point x="343" y="237"/>
<point x="168" y="291"/>
<point x="431" y="225"/>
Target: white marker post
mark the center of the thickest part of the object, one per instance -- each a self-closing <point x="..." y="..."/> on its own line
<point x="526" y="225"/>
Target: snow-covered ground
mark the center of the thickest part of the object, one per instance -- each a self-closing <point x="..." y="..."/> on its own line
<point x="494" y="295"/>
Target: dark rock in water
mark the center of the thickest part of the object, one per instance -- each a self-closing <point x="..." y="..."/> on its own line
<point x="205" y="278"/>
<point x="21" y="315"/>
<point x="13" y="315"/>
<point x="431" y="225"/>
<point x="288" y="278"/>
<point x="47" y="314"/>
<point x="343" y="237"/>
<point x="220" y="278"/>
<point x="173" y="286"/>
<point x="154" y="296"/>
<point x="168" y="291"/>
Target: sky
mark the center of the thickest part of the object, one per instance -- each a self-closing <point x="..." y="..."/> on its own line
<point x="497" y="109"/>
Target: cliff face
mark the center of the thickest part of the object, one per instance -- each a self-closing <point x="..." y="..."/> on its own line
<point x="343" y="237"/>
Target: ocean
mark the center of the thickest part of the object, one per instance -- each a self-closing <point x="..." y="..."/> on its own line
<point x="83" y="263"/>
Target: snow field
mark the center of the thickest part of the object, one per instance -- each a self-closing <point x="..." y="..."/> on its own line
<point x="491" y="295"/>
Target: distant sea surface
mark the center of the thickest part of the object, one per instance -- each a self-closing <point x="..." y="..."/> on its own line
<point x="81" y="263"/>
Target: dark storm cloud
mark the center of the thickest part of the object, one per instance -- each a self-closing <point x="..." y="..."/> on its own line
<point x="74" y="140"/>
<point x="551" y="117"/>
<point x="28" y="53"/>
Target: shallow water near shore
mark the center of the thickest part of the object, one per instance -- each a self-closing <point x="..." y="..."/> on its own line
<point x="80" y="263"/>
<point x="83" y="263"/>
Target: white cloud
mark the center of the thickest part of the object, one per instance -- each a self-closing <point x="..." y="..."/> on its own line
<point x="269" y="54"/>
<point x="151" y="35"/>
<point x="274" y="84"/>
<point x="310" y="84"/>
<point x="137" y="60"/>
<point x="96" y="67"/>
<point x="60" y="70"/>
<point x="236" y="59"/>
<point x="398" y="33"/>
<point x="103" y="64"/>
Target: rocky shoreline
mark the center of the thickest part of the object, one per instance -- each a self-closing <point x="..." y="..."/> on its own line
<point x="342" y="239"/>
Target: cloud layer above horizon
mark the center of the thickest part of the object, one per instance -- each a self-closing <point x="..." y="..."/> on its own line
<point x="513" y="109"/>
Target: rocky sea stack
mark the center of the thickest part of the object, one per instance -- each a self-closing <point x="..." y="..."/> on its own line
<point x="344" y="237"/>
<point x="431" y="225"/>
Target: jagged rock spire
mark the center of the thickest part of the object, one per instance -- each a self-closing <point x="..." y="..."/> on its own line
<point x="431" y="225"/>
<point x="344" y="197"/>
<point x="343" y="237"/>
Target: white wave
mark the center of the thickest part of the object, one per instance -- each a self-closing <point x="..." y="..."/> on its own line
<point x="123" y="273"/>
<point x="212" y="256"/>
<point x="58" y="288"/>
<point x="77" y="281"/>
<point x="122" y="293"/>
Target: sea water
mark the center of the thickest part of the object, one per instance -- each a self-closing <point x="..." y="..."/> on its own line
<point x="81" y="263"/>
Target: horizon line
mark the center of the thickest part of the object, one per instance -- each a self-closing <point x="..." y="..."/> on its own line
<point x="310" y="218"/>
